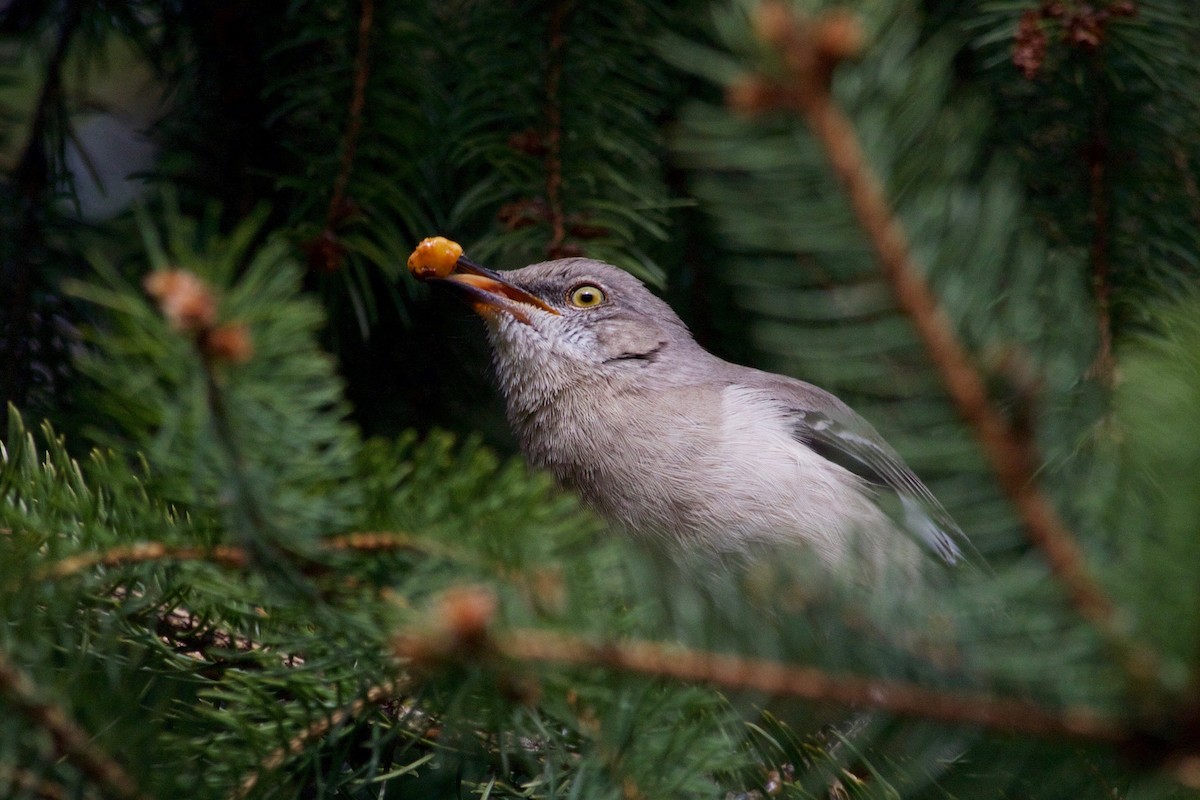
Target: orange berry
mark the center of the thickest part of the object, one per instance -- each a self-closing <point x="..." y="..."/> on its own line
<point x="434" y="257"/>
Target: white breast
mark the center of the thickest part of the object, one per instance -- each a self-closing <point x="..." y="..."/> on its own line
<point x="768" y="485"/>
<point x="715" y="468"/>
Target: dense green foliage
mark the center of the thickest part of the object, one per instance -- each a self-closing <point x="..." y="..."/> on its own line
<point x="277" y="544"/>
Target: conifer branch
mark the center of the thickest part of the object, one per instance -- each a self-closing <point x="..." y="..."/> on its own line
<point x="250" y="524"/>
<point x="1101" y="213"/>
<point x="374" y="696"/>
<point x="32" y="170"/>
<point x="235" y="557"/>
<point x="362" y="68"/>
<point x="32" y="178"/>
<point x="187" y="634"/>
<point x="385" y="541"/>
<point x="554" y="122"/>
<point x="587" y="721"/>
<point x="189" y="305"/>
<point x="28" y="784"/>
<point x="1005" y="715"/>
<point x="1190" y="186"/>
<point x="810" y="51"/>
<point x="71" y="742"/>
<point x="141" y="552"/>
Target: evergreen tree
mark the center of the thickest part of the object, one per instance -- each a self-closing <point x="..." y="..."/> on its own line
<point x="262" y="533"/>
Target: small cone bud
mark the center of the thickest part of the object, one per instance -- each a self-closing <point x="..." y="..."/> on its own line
<point x="840" y="35"/>
<point x="774" y="22"/>
<point x="186" y="301"/>
<point x="230" y="342"/>
<point x="466" y="613"/>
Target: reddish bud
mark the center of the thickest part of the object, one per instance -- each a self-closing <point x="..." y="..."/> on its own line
<point x="1085" y="27"/>
<point x="774" y="22"/>
<point x="230" y="342"/>
<point x="1029" y="45"/>
<point x="466" y="613"/>
<point x="753" y="93"/>
<point x="187" y="302"/>
<point x="839" y="35"/>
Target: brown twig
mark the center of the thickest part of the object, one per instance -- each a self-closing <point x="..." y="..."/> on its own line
<point x="374" y="696"/>
<point x="325" y="252"/>
<point x="461" y="625"/>
<point x="189" y="635"/>
<point x="362" y="69"/>
<point x="553" y="159"/>
<point x="808" y="683"/>
<point x="1101" y="213"/>
<point x="223" y="555"/>
<point x="232" y="556"/>
<point x="71" y="742"/>
<point x="810" y="51"/>
<point x="381" y="541"/>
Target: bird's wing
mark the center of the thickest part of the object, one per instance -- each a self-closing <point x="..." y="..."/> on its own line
<point x="830" y="428"/>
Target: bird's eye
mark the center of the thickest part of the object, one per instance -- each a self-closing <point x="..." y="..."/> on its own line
<point x="586" y="296"/>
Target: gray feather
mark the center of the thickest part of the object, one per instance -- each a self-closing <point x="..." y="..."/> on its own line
<point x="837" y="433"/>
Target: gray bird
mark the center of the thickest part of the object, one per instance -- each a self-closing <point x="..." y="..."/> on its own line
<point x="607" y="389"/>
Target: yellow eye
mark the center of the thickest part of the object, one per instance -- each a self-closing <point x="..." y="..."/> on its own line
<point x="587" y="296"/>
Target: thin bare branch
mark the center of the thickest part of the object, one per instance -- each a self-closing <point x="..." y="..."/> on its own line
<point x="358" y="98"/>
<point x="1100" y="200"/>
<point x="234" y="557"/>
<point x="224" y="555"/>
<point x="385" y="541"/>
<point x="553" y="160"/>
<point x="809" y="683"/>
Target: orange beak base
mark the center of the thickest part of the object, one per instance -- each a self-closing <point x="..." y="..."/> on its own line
<point x="489" y="293"/>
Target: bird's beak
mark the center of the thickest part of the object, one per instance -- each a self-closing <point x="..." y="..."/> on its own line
<point x="488" y="292"/>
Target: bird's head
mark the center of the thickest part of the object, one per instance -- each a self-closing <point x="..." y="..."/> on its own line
<point x="562" y="322"/>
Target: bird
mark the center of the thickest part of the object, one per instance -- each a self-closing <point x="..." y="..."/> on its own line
<point x="607" y="389"/>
